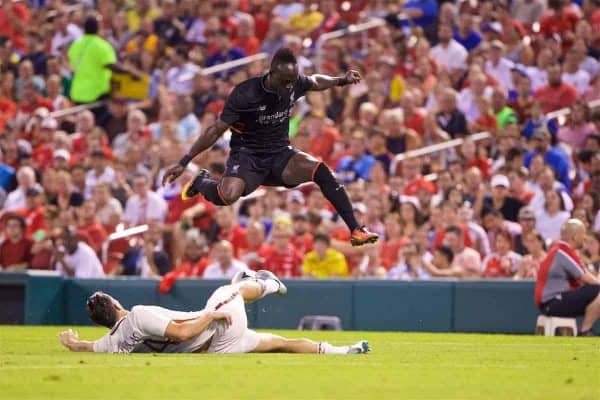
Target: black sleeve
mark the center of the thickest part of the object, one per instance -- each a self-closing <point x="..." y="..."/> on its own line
<point x="303" y="85"/>
<point x="233" y="107"/>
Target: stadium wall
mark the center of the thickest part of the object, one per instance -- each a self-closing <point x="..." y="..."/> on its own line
<point x="429" y="306"/>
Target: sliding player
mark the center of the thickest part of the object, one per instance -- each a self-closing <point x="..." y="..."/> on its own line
<point x="221" y="327"/>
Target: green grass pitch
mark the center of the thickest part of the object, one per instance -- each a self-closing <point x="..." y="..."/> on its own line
<point x="33" y="365"/>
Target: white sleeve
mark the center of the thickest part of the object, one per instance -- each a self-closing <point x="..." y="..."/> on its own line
<point x="129" y="215"/>
<point x="149" y="321"/>
<point x="102" y="345"/>
<point x="87" y="263"/>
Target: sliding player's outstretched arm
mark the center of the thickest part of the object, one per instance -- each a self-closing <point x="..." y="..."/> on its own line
<point x="70" y="340"/>
<point x="324" y="82"/>
<point x="204" y="141"/>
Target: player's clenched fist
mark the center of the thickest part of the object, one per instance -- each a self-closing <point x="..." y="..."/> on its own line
<point x="352" y="76"/>
<point x="172" y="173"/>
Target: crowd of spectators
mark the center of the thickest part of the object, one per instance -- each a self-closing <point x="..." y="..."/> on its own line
<point x="433" y="72"/>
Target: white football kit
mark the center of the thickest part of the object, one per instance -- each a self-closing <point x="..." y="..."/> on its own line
<point x="143" y="329"/>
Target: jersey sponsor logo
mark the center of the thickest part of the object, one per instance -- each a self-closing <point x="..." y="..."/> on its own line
<point x="274" y="119"/>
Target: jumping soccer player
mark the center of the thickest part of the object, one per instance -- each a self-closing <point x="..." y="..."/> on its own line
<point x="222" y="327"/>
<point x="257" y="112"/>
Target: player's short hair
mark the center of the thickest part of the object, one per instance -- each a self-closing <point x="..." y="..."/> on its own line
<point x="284" y="55"/>
<point x="101" y="310"/>
<point x="90" y="25"/>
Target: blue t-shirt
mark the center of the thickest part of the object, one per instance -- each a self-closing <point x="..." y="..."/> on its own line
<point x="470" y="42"/>
<point x="430" y="12"/>
<point x="349" y="169"/>
<point x="6" y="174"/>
<point x="559" y="163"/>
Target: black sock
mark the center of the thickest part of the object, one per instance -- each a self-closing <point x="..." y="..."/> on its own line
<point x="208" y="188"/>
<point x="336" y="194"/>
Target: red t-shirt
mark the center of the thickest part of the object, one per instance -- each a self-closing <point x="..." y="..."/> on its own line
<point x="284" y="265"/>
<point x="8" y="109"/>
<point x="177" y="206"/>
<point x="322" y="144"/>
<point x="34" y="219"/>
<point x="237" y="237"/>
<point x="250" y="45"/>
<point x="21" y="12"/>
<point x="29" y="108"/>
<point x="415" y="122"/>
<point x="186" y="269"/>
<point x="96" y="234"/>
<point x="388" y="252"/>
<point x="303" y="243"/>
<point x="15" y="253"/>
<point x="552" y="99"/>
<point x="494" y="269"/>
<point x="551" y="24"/>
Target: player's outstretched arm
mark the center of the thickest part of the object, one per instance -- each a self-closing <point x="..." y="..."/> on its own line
<point x="324" y="82"/>
<point x="181" y="331"/>
<point x="71" y="341"/>
<point x="204" y="141"/>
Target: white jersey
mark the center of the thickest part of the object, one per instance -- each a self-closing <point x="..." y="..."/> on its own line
<point x="143" y="331"/>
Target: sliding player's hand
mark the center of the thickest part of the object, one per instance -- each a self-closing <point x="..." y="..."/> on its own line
<point x="172" y="174"/>
<point x="66" y="337"/>
<point x="352" y="76"/>
<point x="217" y="315"/>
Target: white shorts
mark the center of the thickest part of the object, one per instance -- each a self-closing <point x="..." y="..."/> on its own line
<point x="236" y="338"/>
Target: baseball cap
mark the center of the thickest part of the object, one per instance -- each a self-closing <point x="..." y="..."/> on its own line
<point x="62" y="153"/>
<point x="526" y="212"/>
<point x="500" y="180"/>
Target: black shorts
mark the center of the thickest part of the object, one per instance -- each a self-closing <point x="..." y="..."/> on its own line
<point x="257" y="169"/>
<point x="572" y="303"/>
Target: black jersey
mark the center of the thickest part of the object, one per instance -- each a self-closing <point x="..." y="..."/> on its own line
<point x="260" y="118"/>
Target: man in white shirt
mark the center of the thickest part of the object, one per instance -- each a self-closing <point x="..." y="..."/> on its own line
<point x="65" y="33"/>
<point x="221" y="327"/>
<point x="25" y="179"/>
<point x="225" y="266"/>
<point x="468" y="97"/>
<point x="574" y="74"/>
<point x="537" y="73"/>
<point x="449" y="54"/>
<point x="75" y="259"/>
<point x="145" y="205"/>
<point x="180" y="77"/>
<point x="100" y="173"/>
<point x="499" y="67"/>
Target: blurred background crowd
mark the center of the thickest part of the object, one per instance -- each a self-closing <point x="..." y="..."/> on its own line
<point x="72" y="177"/>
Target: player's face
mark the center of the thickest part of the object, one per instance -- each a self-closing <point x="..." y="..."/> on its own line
<point x="283" y="78"/>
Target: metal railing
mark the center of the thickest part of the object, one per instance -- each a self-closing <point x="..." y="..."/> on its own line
<point x="234" y="64"/>
<point x="120" y="234"/>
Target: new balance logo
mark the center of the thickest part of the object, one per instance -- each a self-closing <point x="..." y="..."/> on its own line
<point x="262" y="108"/>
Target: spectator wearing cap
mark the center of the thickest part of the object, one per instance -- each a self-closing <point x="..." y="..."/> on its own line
<point x="324" y="262"/>
<point x="15" y="250"/>
<point x="556" y="94"/>
<point x="61" y="159"/>
<point x="501" y="199"/>
<point x="552" y="216"/>
<point x="25" y="180"/>
<point x="144" y="206"/>
<point x="224" y="266"/>
<point x="357" y="164"/>
<point x="180" y="75"/>
<point x="73" y="258"/>
<point x="552" y="157"/>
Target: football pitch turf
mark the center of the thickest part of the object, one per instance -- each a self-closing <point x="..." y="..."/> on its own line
<point x="33" y="365"/>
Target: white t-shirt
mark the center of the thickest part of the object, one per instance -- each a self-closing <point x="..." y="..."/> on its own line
<point x="501" y="72"/>
<point x="84" y="261"/>
<point x="451" y="57"/>
<point x="59" y="40"/>
<point x="140" y="210"/>
<point x="181" y="80"/>
<point x="539" y="77"/>
<point x="549" y="226"/>
<point x="143" y="331"/>
<point x="92" y="179"/>
<point x="214" y="270"/>
<point x="580" y="80"/>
